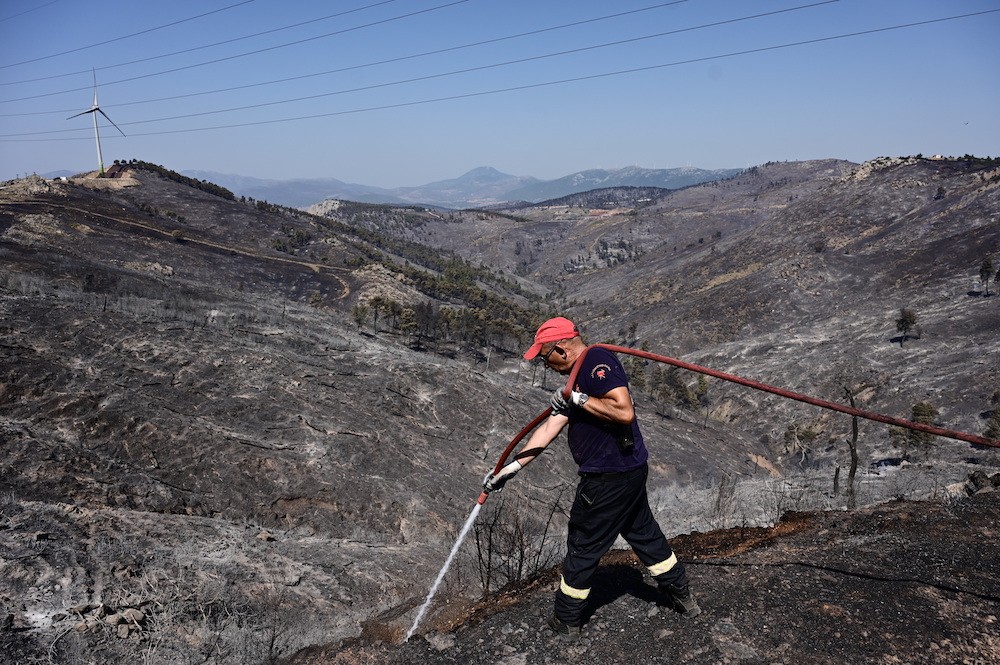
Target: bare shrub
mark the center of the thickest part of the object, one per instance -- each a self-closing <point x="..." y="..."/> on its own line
<point x="512" y="545"/>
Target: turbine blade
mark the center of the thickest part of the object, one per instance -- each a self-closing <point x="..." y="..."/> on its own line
<point x="80" y="113"/>
<point x="110" y="120"/>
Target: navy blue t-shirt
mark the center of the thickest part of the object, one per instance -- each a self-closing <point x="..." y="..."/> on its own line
<point x="594" y="442"/>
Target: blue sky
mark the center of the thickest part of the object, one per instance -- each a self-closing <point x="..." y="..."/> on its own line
<point x="406" y="92"/>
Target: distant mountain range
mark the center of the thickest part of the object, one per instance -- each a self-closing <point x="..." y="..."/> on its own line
<point x="483" y="186"/>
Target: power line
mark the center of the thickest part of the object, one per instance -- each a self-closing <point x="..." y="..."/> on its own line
<point x="459" y="71"/>
<point x="134" y="34"/>
<point x="205" y="46"/>
<point x="467" y="70"/>
<point x="375" y="63"/>
<point x="242" y="55"/>
<point x="27" y="11"/>
<point x="531" y="86"/>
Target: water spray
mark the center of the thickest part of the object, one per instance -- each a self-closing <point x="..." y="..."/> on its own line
<point x="471" y="520"/>
<point x="757" y="385"/>
<point x="444" y="569"/>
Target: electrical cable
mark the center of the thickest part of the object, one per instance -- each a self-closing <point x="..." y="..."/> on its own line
<point x="412" y="56"/>
<point x="12" y="137"/>
<point x="589" y="77"/>
<point x="428" y="77"/>
<point x="134" y="34"/>
<point x="296" y="25"/>
<point x="203" y="46"/>
<point x="241" y="55"/>
<point x="27" y="11"/>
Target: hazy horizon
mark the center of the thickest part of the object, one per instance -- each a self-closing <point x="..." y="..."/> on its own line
<point x="399" y="93"/>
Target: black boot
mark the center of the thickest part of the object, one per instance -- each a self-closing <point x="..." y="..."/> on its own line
<point x="564" y="630"/>
<point x="567" y="615"/>
<point x="680" y="599"/>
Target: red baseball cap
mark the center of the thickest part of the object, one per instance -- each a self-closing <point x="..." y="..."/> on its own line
<point x="552" y="330"/>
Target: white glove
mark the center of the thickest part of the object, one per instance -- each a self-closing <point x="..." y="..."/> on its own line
<point x="495" y="482"/>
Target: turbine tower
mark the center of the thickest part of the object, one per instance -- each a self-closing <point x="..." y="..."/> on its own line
<point x="94" y="110"/>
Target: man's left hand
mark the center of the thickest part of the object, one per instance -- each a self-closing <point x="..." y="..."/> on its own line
<point x="560" y="405"/>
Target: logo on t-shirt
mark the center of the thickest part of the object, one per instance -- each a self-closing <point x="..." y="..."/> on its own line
<point x="600" y="371"/>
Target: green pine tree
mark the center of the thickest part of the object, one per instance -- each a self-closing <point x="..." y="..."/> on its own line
<point x="985" y="273"/>
<point x="905" y="323"/>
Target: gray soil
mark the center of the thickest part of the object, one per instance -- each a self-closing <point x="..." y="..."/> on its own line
<point x="904" y="582"/>
<point x="205" y="459"/>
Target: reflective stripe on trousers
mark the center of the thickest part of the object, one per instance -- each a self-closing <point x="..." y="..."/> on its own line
<point x="663" y="566"/>
<point x="604" y="507"/>
<point x="572" y="592"/>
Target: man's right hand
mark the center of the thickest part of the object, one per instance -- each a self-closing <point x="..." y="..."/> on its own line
<point x="495" y="482"/>
<point x="560" y="406"/>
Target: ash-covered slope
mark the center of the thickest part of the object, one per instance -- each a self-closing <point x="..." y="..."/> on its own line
<point x="194" y="426"/>
<point x="197" y="424"/>
<point x="807" y="297"/>
<point x="790" y="273"/>
<point x="905" y="582"/>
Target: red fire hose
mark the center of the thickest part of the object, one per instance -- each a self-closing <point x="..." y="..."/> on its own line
<point x="757" y="385"/>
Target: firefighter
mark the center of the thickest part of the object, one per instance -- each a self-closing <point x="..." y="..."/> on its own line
<point x="606" y="443"/>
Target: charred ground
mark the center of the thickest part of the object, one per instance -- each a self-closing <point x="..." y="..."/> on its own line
<point x="197" y="425"/>
<point x="862" y="587"/>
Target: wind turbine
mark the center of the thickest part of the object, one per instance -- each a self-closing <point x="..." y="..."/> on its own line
<point x="94" y="110"/>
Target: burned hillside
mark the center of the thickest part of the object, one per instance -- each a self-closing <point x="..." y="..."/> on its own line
<point x="262" y="428"/>
<point x="864" y="587"/>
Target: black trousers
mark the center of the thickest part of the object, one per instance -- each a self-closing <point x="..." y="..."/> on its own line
<point x="605" y="506"/>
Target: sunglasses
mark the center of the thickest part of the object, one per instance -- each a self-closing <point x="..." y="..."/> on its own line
<point x="545" y="356"/>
